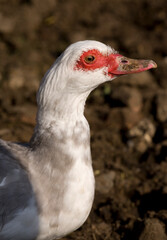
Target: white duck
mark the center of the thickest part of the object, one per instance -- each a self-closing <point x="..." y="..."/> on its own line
<point x="47" y="186"/>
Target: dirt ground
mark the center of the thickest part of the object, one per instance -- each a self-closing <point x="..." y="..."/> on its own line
<point x="128" y="117"/>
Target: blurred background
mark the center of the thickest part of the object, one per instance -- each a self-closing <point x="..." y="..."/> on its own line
<point x="128" y="118"/>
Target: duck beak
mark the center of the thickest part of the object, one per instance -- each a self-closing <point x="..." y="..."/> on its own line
<point x="119" y="65"/>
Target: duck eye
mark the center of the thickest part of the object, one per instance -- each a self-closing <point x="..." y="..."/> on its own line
<point x="89" y="59"/>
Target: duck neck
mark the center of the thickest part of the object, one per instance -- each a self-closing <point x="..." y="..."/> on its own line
<point x="62" y="115"/>
<point x="66" y="108"/>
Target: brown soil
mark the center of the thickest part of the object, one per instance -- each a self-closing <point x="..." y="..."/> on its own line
<point x="128" y="118"/>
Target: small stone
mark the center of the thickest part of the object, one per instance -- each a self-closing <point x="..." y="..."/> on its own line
<point x="141" y="135"/>
<point x="104" y="182"/>
<point x="144" y="129"/>
<point x="16" y="79"/>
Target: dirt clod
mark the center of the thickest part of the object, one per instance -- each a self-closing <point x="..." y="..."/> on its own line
<point x="153" y="230"/>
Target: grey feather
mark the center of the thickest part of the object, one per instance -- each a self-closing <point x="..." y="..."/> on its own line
<point x="16" y="191"/>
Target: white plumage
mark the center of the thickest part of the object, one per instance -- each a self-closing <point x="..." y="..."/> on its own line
<point x="47" y="186"/>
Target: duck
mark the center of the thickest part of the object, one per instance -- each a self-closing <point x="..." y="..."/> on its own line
<point x="47" y="185"/>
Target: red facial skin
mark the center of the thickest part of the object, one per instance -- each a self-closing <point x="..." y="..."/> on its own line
<point x="116" y="63"/>
<point x="99" y="62"/>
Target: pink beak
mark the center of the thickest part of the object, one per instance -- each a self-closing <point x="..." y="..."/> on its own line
<point x="123" y="65"/>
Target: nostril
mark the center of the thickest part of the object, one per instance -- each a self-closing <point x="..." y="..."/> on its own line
<point x="124" y="61"/>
